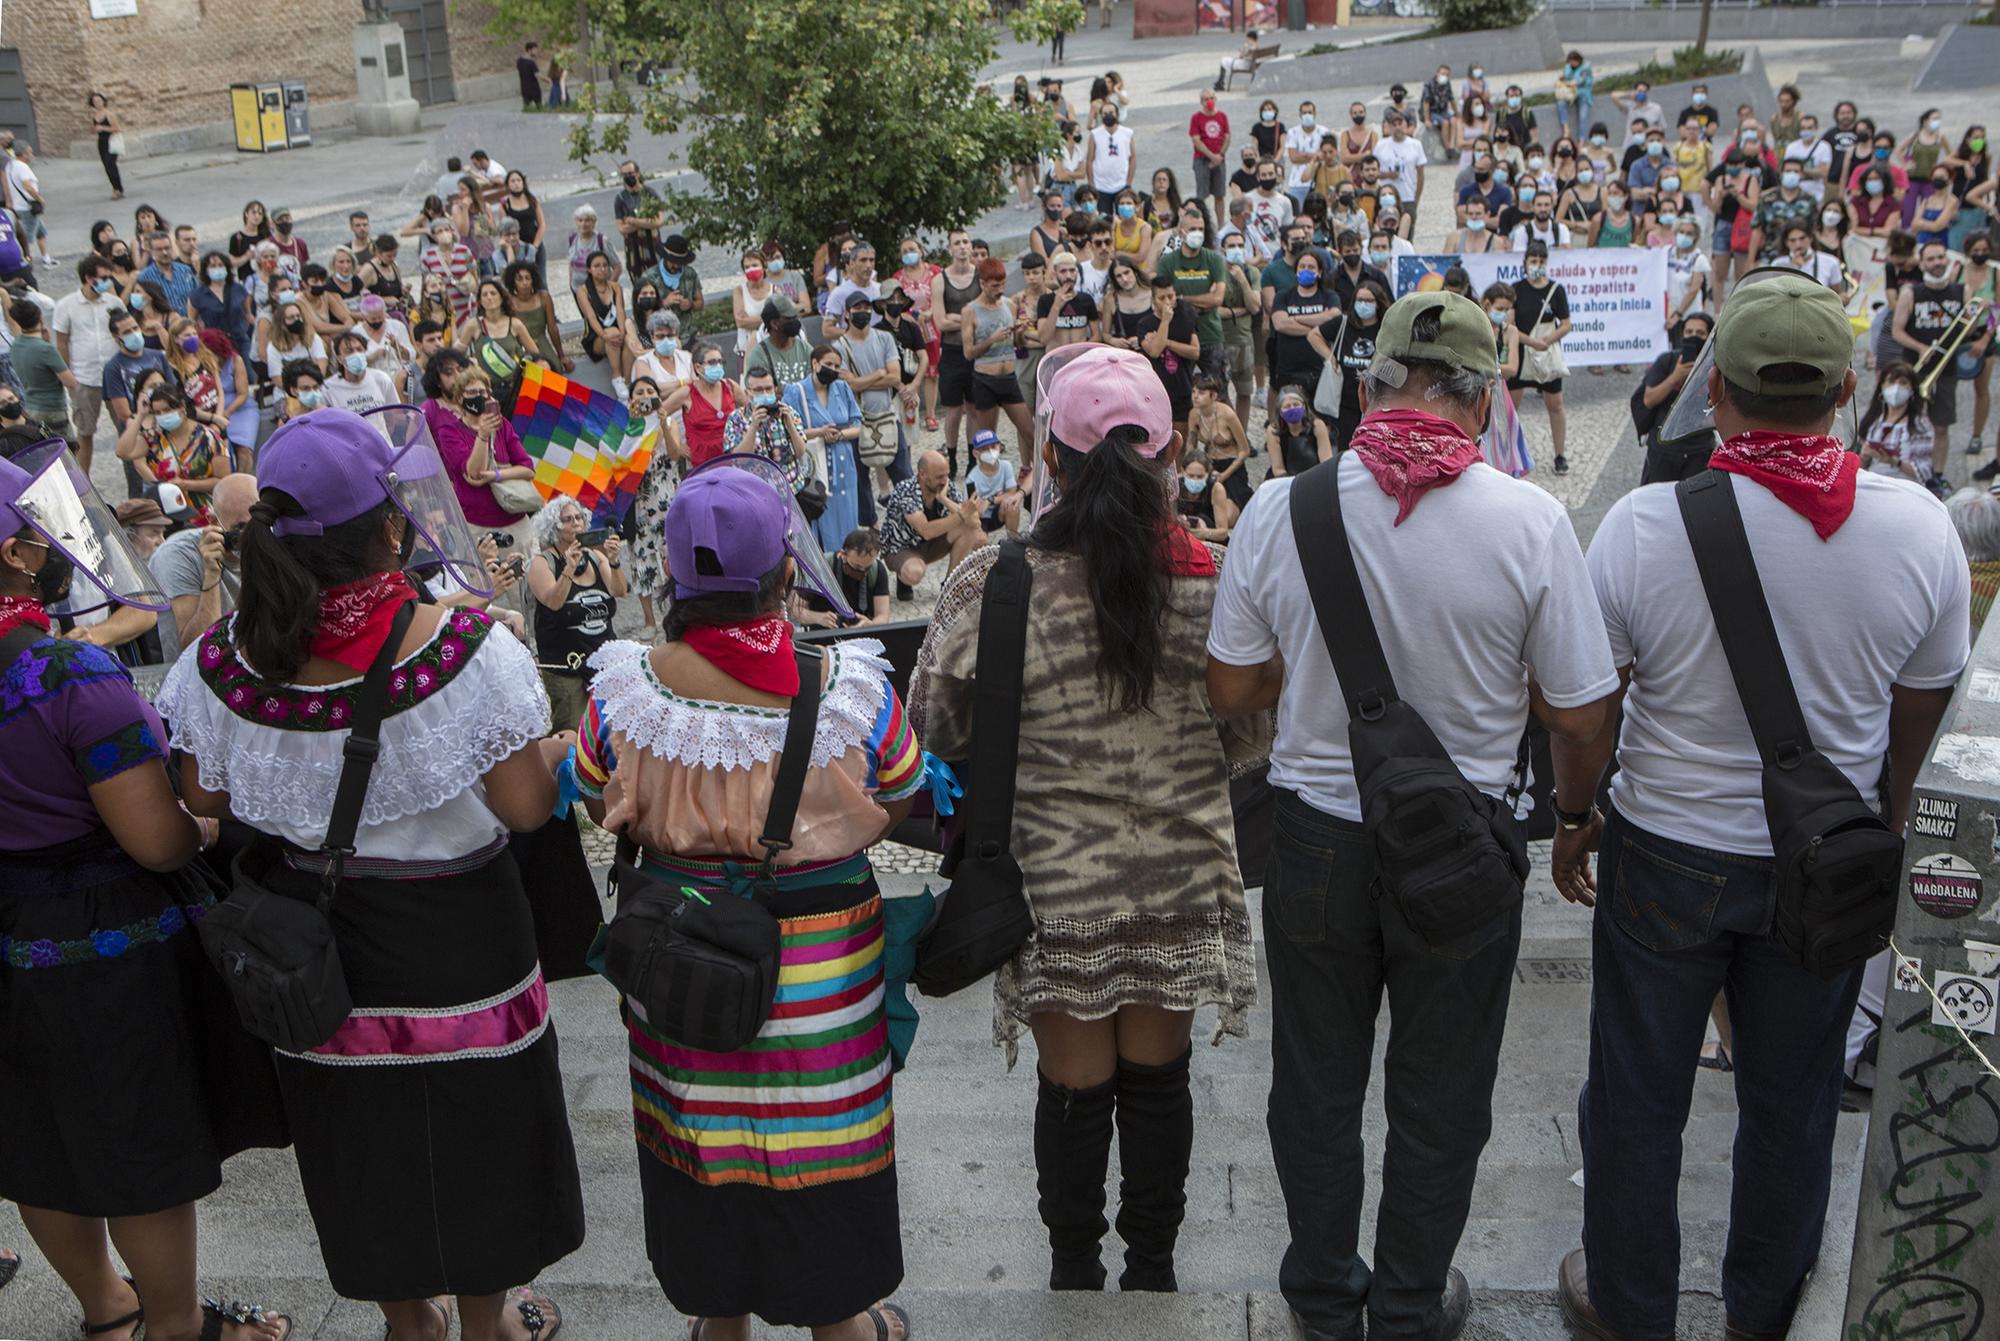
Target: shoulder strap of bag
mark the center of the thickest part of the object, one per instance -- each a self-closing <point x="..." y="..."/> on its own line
<point x="1743" y="617"/>
<point x="359" y="754"/>
<point x="1334" y="582"/>
<point x="996" y="701"/>
<point x="18" y="640"/>
<point x="800" y="724"/>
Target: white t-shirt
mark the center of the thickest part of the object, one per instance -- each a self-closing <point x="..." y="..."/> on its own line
<point x="373" y="390"/>
<point x="1884" y="601"/>
<point x="1821" y="266"/>
<point x="1091" y="280"/>
<point x="275" y="358"/>
<point x="1482" y="585"/>
<point x="1683" y="264"/>
<point x="1111" y="161"/>
<point x="1268" y="217"/>
<point x="1555" y="235"/>
<point x="20" y="176"/>
<point x="1306" y="142"/>
<point x="1818" y="154"/>
<point x="1400" y="161"/>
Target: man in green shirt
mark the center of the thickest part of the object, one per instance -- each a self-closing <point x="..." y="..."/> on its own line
<point x="41" y="369"/>
<point x="1199" y="275"/>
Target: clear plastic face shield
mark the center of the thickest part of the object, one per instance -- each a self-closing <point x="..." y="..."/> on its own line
<point x="417" y="482"/>
<point x="1047" y="491"/>
<point x="1692" y="416"/>
<point x="814" y="573"/>
<point x="60" y="506"/>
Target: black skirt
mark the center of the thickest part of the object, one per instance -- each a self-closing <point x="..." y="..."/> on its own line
<point x="125" y="1077"/>
<point x="433" y="1142"/>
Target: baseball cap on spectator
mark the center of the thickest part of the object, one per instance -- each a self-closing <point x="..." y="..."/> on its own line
<point x="984" y="438"/>
<point x="281" y="215"/>
<point x="1103" y="388"/>
<point x="1784" y="324"/>
<point x="1464" y="338"/>
<point x="858" y="299"/>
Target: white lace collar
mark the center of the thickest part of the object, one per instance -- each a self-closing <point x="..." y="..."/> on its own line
<point x="703" y="733"/>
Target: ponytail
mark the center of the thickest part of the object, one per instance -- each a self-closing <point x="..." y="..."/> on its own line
<point x="277" y="611"/>
<point x="1115" y="513"/>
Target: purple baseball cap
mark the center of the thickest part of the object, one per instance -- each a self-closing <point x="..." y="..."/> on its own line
<point x="738" y="518"/>
<point x="1102" y="388"/>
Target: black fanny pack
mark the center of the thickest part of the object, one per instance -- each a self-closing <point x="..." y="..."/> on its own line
<point x="983" y="920"/>
<point x="1839" y="864"/>
<point x="277" y="954"/>
<point x="702" y="969"/>
<point x="1454" y="859"/>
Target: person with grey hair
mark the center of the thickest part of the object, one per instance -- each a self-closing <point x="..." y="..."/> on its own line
<point x="1975" y="515"/>
<point x="1516" y="630"/>
<point x="585" y="242"/>
<point x="665" y="361"/>
<point x="577" y="576"/>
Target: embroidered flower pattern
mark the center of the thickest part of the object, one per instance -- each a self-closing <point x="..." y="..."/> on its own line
<point x="108" y="943"/>
<point x="324" y="708"/>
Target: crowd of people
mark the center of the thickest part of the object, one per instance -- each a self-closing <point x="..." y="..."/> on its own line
<point x="322" y="478"/>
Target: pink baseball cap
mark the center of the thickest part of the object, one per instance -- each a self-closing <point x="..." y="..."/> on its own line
<point x="1103" y="388"/>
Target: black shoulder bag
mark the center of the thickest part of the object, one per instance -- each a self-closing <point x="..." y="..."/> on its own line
<point x="1839" y="864"/>
<point x="983" y="920"/>
<point x="277" y="954"/>
<point x="704" y="970"/>
<point x="1453" y="858"/>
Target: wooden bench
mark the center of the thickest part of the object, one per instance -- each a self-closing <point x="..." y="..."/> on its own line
<point x="1257" y="59"/>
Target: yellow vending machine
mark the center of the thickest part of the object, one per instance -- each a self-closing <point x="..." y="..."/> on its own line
<point x="259" y="113"/>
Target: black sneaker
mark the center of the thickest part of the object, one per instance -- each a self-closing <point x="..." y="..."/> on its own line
<point x="1975" y="446"/>
<point x="1456" y="1306"/>
<point x="904" y="591"/>
<point x="1562" y="464"/>
<point x="1987" y="471"/>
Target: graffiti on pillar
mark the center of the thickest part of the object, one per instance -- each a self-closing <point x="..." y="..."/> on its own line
<point x="1941" y="1200"/>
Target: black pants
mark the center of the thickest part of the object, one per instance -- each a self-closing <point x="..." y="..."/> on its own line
<point x="110" y="161"/>
<point x="1334" y="945"/>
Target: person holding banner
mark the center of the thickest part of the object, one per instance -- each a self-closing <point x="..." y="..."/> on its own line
<point x="1541" y="315"/>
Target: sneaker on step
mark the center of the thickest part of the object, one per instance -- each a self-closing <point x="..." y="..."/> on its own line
<point x="1975" y="447"/>
<point x="619" y="389"/>
<point x="1987" y="472"/>
<point x="1561" y="464"/>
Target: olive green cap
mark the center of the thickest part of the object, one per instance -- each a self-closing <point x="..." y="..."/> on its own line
<point x="1786" y="319"/>
<point x="1464" y="339"/>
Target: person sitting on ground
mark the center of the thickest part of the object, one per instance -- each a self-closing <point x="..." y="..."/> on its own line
<point x="864" y="584"/>
<point x="926" y="520"/>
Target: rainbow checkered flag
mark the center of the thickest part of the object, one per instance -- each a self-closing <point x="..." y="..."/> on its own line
<point x="583" y="443"/>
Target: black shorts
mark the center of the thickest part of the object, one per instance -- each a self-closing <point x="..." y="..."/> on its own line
<point x="992" y="390"/>
<point x="1943" y="404"/>
<point x="954" y="378"/>
<point x="1546" y="388"/>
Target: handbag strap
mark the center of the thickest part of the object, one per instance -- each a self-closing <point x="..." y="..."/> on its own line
<point x="1743" y="617"/>
<point x="1346" y="625"/>
<point x="996" y="701"/>
<point x="364" y="745"/>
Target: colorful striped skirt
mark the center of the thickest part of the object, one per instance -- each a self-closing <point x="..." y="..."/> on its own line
<point x="769" y="1173"/>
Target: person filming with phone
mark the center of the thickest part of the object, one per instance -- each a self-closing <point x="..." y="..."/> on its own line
<point x="577" y="576"/>
<point x="1655" y="393"/>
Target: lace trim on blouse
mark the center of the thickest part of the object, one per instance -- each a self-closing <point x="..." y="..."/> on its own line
<point x="705" y="733"/>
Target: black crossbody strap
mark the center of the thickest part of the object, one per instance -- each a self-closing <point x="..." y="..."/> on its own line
<point x="996" y="701"/>
<point x="1334" y="583"/>
<point x="364" y="745"/>
<point x="18" y="640"/>
<point x="1743" y="617"/>
<point x="800" y="724"/>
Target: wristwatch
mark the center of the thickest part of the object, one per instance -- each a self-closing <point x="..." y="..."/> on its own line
<point x="1572" y="820"/>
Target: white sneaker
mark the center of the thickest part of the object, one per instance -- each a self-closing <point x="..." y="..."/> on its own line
<point x="1260" y="396"/>
<point x="618" y="388"/>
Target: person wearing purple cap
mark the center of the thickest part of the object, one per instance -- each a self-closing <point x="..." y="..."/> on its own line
<point x="432" y="1139"/>
<point x="125" y="1078"/>
<point x="794" y="1219"/>
<point x="1122" y="823"/>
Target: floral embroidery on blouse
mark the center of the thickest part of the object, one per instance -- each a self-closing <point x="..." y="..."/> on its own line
<point x="128" y="747"/>
<point x="50" y="666"/>
<point x="331" y="707"/>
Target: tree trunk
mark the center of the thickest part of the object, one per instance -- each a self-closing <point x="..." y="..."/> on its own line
<point x="583" y="53"/>
<point x="1701" y="38"/>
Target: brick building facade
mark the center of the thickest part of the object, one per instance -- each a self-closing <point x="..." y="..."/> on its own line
<point x="170" y="65"/>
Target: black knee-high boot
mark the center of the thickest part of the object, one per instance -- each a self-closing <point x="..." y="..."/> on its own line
<point x="1072" y="1153"/>
<point x="1155" y="1139"/>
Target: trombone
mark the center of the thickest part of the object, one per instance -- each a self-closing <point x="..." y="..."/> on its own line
<point x="1944" y="352"/>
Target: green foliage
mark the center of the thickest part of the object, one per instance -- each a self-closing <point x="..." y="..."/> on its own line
<point x="799" y="115"/>
<point x="1471" y="16"/>
<point x="1038" y="21"/>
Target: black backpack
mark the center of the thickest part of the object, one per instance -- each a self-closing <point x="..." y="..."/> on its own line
<point x="1454" y="859"/>
<point x="1839" y="864"/>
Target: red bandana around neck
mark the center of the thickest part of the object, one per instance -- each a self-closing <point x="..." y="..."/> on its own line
<point x="1186" y="556"/>
<point x="1410" y="452"/>
<point x="18" y="610"/>
<point x="1811" y="474"/>
<point x="354" y="618"/>
<point x="757" y="653"/>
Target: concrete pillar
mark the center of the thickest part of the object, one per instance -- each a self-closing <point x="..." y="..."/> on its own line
<point x="382" y="101"/>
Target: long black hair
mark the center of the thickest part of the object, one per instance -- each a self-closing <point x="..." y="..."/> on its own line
<point x="283" y="576"/>
<point x="1115" y="512"/>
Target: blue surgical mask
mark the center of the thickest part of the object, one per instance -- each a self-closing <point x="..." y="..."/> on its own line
<point x="1514" y="102"/>
<point x="138" y="301"/>
<point x="1527" y="193"/>
<point x="1476" y="225"/>
<point x="763" y="399"/>
<point x="102" y="286"/>
<point x="355" y="363"/>
<point x="665" y="346"/>
<point x="711" y="372"/>
<point x="1233" y="255"/>
<point x="218" y="273"/>
<point x="1308" y="278"/>
<point x="1498" y="318"/>
<point x="1194" y="486"/>
<point x="311" y="399"/>
<point x="776" y="265"/>
<point x="1874" y="185"/>
<point x="169" y="420"/>
<point x="1365" y="311"/>
<point x="133" y="341"/>
<point x="1641" y="96"/>
<point x="1699" y="99"/>
<point x="912" y="257"/>
<point x="1126" y="210"/>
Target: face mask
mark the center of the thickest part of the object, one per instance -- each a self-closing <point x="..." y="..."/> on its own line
<point x="1502" y="176"/>
<point x="1233" y="255"/>
<point x="1527" y="194"/>
<point x="1937" y="123"/>
<point x="711" y="372"/>
<point x="190" y="343"/>
<point x="1293" y="415"/>
<point x="1481" y="177"/>
<point x="133" y="341"/>
<point x="1684" y="241"/>
<point x="1478" y="73"/>
<point x="52" y="581"/>
<point x="1597" y="140"/>
<point x="1874" y="185"/>
<point x="1749" y="141"/>
<point x="1937" y="276"/>
<point x="1378" y="259"/>
<point x="1193" y="239"/>
<point x="1979" y="257"/>
<point x="102" y="286"/>
<point x="1269" y="115"/>
<point x="860" y="321"/>
<point x="218" y="273"/>
<point x="356" y="364"/>
<point x="1110" y="122"/>
<point x="763" y="399"/>
<point x="1586" y="176"/>
<point x="1940" y="183"/>
<point x="1535" y="162"/>
<point x="1126" y="211"/>
<point x="1513" y="102"/>
<point x="1090" y="207"/>
<point x="1655" y="149"/>
<point x="1882" y="155"/>
<point x="11" y="409"/>
<point x="1789" y="180"/>
<point x="1614" y="203"/>
<point x="295" y="325"/>
<point x="1808" y="136"/>
<point x="1668" y="219"/>
<point x="1308" y="278"/>
<point x="1497" y="317"/>
<point x="1475" y="225"/>
<point x="1194" y="486"/>
<point x="475" y="402"/>
<point x="1306" y="120"/>
<point x="1976" y="144"/>
<point x="1700" y="99"/>
<point x="1478" y="110"/>
<point x="1897" y="394"/>
<point x="1357" y="117"/>
<point x="1534" y="269"/>
<point x="138" y="301"/>
<point x="289" y="297"/>
<point x="1670" y="183"/>
<point x="1267" y="183"/>
<point x="827" y="376"/>
<point x="169" y="420"/>
<point x="1365" y="311"/>
<point x="311" y="399"/>
<point x="665" y="346"/>
<point x="989" y="458"/>
<point x="1640" y="96"/>
<point x="1385" y="199"/>
<point x="632" y="180"/>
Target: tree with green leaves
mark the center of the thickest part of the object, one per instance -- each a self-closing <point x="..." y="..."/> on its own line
<point x="801" y="116"/>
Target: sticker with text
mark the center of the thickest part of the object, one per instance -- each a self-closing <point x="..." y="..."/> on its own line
<point x="1935" y="817"/>
<point x="1945" y="885"/>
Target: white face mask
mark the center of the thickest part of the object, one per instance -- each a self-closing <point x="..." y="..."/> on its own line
<point x="1897" y="394"/>
<point x="989" y="457"/>
<point x="1193" y="238"/>
<point x="1831" y="218"/>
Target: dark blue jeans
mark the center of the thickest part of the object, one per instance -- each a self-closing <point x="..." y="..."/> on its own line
<point x="1334" y="944"/>
<point x="1676" y="924"/>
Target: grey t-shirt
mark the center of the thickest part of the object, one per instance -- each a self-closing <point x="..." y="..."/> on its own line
<point x="870" y="355"/>
<point x="176" y="566"/>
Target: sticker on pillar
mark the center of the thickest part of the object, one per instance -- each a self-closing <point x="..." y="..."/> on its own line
<point x="1984" y="686"/>
<point x="1909" y="975"/>
<point x="1935" y="817"/>
<point x="1983" y="958"/>
<point x="1965" y="1001"/>
<point x="1945" y="885"/>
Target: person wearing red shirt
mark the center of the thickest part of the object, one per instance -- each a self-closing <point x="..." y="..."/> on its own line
<point x="1208" y="132"/>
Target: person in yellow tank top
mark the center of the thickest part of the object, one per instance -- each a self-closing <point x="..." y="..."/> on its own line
<point x="1130" y="234"/>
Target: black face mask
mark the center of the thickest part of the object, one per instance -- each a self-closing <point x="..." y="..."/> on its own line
<point x="1482" y="176"/>
<point x="860" y="320"/>
<point x="1358" y="117"/>
<point x="632" y="180"/>
<point x="52" y="582"/>
<point x="475" y="403"/>
<point x="295" y="325"/>
<point x="1111" y="123"/>
<point x="827" y="376"/>
<point x="11" y="409"/>
<point x="1267" y="183"/>
<point x="1052" y="212"/>
<point x="787" y="328"/>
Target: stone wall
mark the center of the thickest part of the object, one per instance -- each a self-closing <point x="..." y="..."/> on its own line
<point x="1530" y="48"/>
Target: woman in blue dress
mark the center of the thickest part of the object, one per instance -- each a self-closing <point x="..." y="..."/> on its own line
<point x="831" y="416"/>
